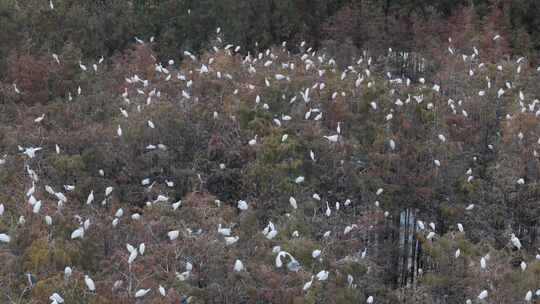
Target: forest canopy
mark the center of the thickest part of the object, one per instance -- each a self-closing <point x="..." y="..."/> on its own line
<point x="269" y="151"/>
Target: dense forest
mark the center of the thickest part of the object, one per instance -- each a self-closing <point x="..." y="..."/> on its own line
<point x="269" y="151"/>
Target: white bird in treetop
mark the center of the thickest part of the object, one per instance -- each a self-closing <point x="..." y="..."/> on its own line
<point x="523" y="265"/>
<point x="142" y="292"/>
<point x="270" y="231"/>
<point x="229" y="240"/>
<point x="90" y="198"/>
<point x="238" y="266"/>
<point x="332" y="138"/>
<point x="483" y="295"/>
<point x="528" y="296"/>
<point x="40" y="118"/>
<point x="515" y="241"/>
<point x="56" y="298"/>
<point x="173" y="235"/>
<point x="77" y="233"/>
<point x="322" y="275"/>
<point x="89" y="283"/>
<point x="253" y="141"/>
<point x="162" y="291"/>
<point x="224" y="231"/>
<point x="483" y="263"/>
<point x="283" y="254"/>
<point x="108" y="191"/>
<point x="392" y="144"/>
<point x="31" y="151"/>
<point x="293" y="203"/>
<point x="308" y="284"/>
<point x="242" y="205"/>
<point x="4" y="238"/>
<point x="305" y="95"/>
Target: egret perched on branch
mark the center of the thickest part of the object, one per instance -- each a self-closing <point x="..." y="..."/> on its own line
<point x="238" y="266"/>
<point x="4" y="238"/>
<point x="483" y="295"/>
<point x="31" y="151"/>
<point x="173" y="235"/>
<point x="332" y="138"/>
<point x="89" y="283"/>
<point x="55" y="297"/>
<point x="242" y="205"/>
<point x="308" y="284"/>
<point x="322" y="275"/>
<point x="293" y="203"/>
<point x="515" y="241"/>
<point x="141" y="293"/>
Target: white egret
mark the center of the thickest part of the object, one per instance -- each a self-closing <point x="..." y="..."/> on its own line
<point x="55" y="297"/>
<point x="312" y="155"/>
<point x="307" y="285"/>
<point x="231" y="240"/>
<point x="142" y="292"/>
<point x="77" y="233"/>
<point x="238" y="266"/>
<point x="40" y="118"/>
<point x="242" y="205"/>
<point x="90" y="198"/>
<point x="515" y="241"/>
<point x="483" y="295"/>
<point x="292" y="201"/>
<point x="528" y="296"/>
<point x="322" y="275"/>
<point x="89" y="283"/>
<point x="173" y="235"/>
<point x="162" y="291"/>
<point x="4" y="238"/>
<point x="67" y="272"/>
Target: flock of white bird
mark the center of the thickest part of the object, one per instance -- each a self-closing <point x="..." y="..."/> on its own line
<point x="311" y="62"/>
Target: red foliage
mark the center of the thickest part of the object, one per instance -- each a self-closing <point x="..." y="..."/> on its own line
<point x="31" y="75"/>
